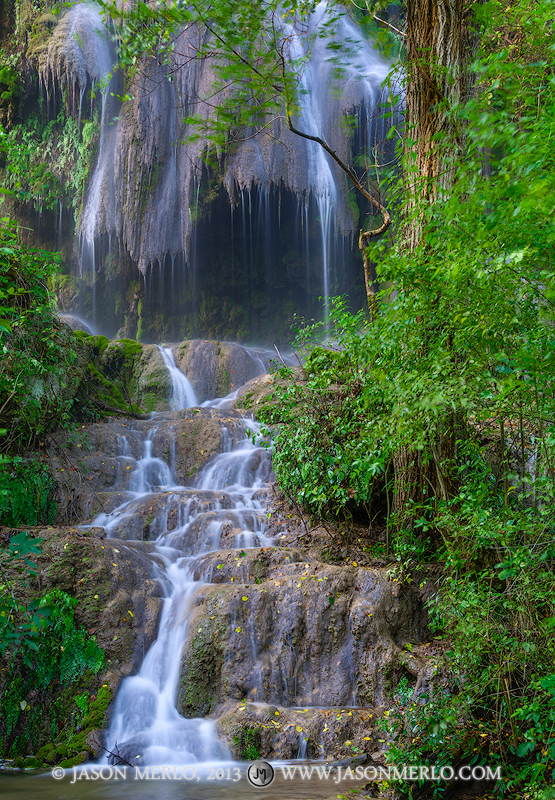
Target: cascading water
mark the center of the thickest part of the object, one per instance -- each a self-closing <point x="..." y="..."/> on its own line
<point x="105" y="59"/>
<point x="146" y="726"/>
<point x="183" y="394"/>
<point x="148" y="186"/>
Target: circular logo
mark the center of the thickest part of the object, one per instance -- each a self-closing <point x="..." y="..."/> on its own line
<point x="260" y="773"/>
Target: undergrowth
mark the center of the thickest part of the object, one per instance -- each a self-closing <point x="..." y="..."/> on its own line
<point x="40" y="695"/>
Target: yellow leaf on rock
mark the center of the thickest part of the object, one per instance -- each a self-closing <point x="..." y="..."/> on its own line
<point x="298" y="729"/>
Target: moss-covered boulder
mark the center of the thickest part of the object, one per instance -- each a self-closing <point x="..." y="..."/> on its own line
<point x="140" y="371"/>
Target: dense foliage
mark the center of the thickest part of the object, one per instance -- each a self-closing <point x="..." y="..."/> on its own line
<point x="445" y="400"/>
<point x="36" y="387"/>
<point x="48" y="163"/>
<point x="38" y="674"/>
<point x="20" y="624"/>
<point x="26" y="493"/>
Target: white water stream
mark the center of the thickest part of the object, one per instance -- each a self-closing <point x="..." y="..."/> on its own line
<point x="183" y="394"/>
<point x="146" y="728"/>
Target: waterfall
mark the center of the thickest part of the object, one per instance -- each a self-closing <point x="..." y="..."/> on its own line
<point x="90" y="215"/>
<point x="151" y="190"/>
<point x="146" y="727"/>
<point x="183" y="394"/>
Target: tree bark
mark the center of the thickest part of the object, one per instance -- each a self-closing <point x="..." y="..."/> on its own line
<point x="439" y="48"/>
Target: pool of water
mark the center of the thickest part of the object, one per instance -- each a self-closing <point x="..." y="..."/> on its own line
<point x="79" y="784"/>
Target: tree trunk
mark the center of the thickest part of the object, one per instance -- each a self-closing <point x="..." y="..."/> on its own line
<point x="439" y="47"/>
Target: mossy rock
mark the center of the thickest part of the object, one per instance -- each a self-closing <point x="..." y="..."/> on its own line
<point x="47" y="753"/>
<point x="202" y="660"/>
<point x="130" y="347"/>
<point x="31" y="762"/>
<point x="77" y="749"/>
<point x="96" y="715"/>
<point x="68" y="763"/>
<point x="248" y="743"/>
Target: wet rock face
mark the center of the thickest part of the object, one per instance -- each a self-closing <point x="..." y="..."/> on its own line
<point x="272" y="627"/>
<point x="217" y="368"/>
<point x="74" y="323"/>
<point x="72" y="51"/>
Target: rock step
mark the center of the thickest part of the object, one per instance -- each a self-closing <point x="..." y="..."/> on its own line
<point x="305" y="732"/>
<point x="149" y="516"/>
<point x="101" y="457"/>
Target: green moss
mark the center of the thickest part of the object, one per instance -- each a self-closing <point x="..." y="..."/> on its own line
<point x="74" y="751"/>
<point x="130" y="347"/>
<point x="84" y="336"/>
<point x="47" y="754"/>
<point x="202" y="665"/>
<point x="61" y="752"/>
<point x="96" y="716"/>
<point x="248" y="744"/>
<point x="198" y="682"/>
<point x="32" y="763"/>
<point x="102" y="343"/>
<point x="68" y="763"/>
